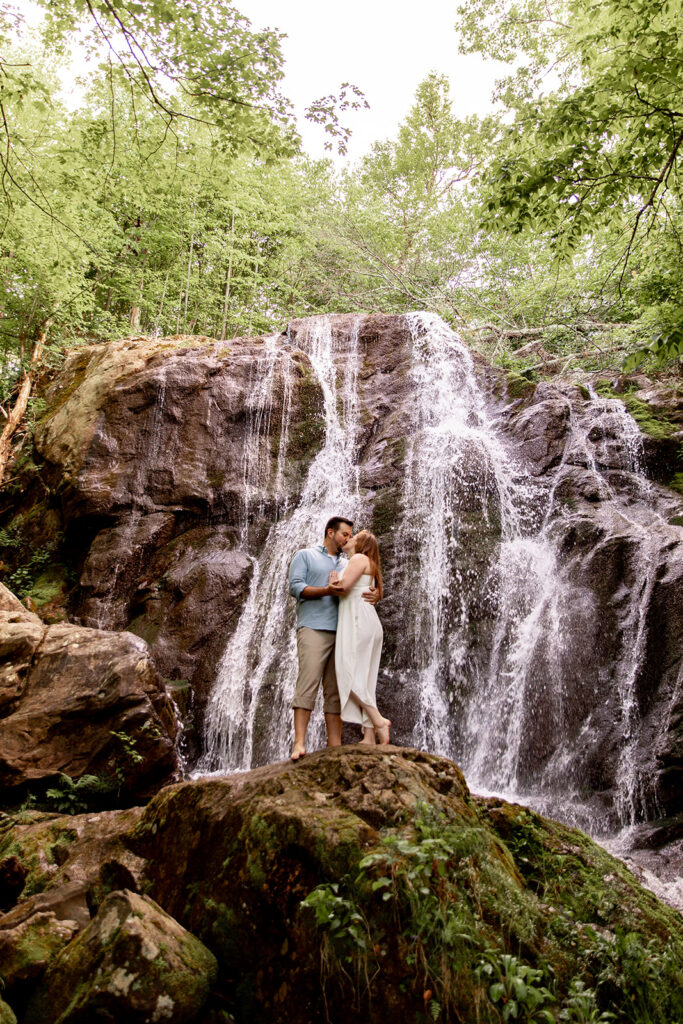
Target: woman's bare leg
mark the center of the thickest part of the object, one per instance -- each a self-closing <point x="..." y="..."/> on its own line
<point x="369" y="737"/>
<point x="380" y="725"/>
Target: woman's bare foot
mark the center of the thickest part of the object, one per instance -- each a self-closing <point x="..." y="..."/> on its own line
<point x="383" y="732"/>
<point x="368" y="737"/>
<point x="298" y="751"/>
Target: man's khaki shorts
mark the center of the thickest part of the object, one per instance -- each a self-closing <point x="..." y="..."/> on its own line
<point x="316" y="662"/>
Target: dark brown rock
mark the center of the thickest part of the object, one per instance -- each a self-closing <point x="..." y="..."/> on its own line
<point x="187" y="603"/>
<point x="82" y="688"/>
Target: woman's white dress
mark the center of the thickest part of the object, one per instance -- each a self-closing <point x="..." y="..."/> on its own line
<point x="357" y="651"/>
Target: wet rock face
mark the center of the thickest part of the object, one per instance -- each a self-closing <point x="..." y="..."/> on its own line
<point x="174" y="456"/>
<point x="68" y="694"/>
<point x="160" y="425"/>
<point x="148" y="442"/>
<point x="622" y="638"/>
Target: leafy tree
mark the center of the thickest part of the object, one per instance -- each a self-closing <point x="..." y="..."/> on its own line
<point x="602" y="150"/>
<point x="401" y="232"/>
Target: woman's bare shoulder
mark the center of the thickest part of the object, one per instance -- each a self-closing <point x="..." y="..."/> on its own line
<point x="360" y="560"/>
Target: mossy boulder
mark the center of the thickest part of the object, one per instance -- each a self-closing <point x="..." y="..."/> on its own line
<point x="132" y="962"/>
<point x="63" y="863"/>
<point x="371" y="883"/>
<point x="27" y="949"/>
<point x="7" y="1015"/>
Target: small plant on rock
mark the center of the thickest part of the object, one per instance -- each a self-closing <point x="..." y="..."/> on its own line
<point x="71" y="796"/>
<point x="581" y="1006"/>
<point x="517" y="990"/>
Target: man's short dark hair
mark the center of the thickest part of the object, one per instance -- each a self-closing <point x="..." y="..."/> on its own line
<point x="333" y="523"/>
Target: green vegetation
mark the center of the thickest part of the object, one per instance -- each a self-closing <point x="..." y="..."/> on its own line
<point x="474" y="937"/>
<point x="657" y="426"/>
<point x="180" y="203"/>
<point x="72" y="796"/>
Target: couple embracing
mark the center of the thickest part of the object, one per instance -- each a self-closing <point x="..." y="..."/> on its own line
<point x="339" y="636"/>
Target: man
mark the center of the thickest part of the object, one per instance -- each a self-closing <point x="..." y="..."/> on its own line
<point x="309" y="583"/>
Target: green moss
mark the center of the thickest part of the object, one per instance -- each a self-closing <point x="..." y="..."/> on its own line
<point x="604" y="926"/>
<point x="146" y="627"/>
<point x="399" y="450"/>
<point x="50" y="586"/>
<point x="307" y="434"/>
<point x="605" y="389"/>
<point x="7" y="1015"/>
<point x="37" y="849"/>
<point x="216" y="478"/>
<point x="676" y="482"/>
<point x="656" y="426"/>
<point x="518" y="386"/>
<point x="58" y="398"/>
<point x="583" y="391"/>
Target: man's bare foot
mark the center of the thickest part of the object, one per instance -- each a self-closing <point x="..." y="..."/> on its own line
<point x="298" y="751"/>
<point x="383" y="732"/>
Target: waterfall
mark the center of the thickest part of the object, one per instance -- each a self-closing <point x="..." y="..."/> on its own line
<point x="269" y="372"/>
<point x="455" y="468"/>
<point x="248" y="717"/>
<point x="485" y="666"/>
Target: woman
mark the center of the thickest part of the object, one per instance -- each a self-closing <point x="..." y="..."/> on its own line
<point x="359" y="638"/>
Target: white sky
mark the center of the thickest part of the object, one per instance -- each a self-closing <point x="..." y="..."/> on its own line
<point x="386" y="48"/>
<point x="369" y="43"/>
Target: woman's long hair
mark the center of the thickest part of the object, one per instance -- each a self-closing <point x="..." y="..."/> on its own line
<point x="366" y="544"/>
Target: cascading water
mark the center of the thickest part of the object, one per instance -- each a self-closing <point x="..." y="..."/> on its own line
<point x="485" y="664"/>
<point x="245" y="720"/>
<point x="269" y="372"/>
<point x="517" y="734"/>
<point x="455" y="468"/>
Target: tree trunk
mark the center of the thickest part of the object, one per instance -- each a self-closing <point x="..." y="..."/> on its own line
<point x="17" y="414"/>
<point x="187" y="282"/>
<point x="134" y="318"/>
<point x="161" y="304"/>
<point x="226" y="297"/>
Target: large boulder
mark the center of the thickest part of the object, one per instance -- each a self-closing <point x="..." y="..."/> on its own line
<point x="132" y="962"/>
<point x="79" y="702"/>
<point x="160" y="424"/>
<point x="55" y="871"/>
<point x="360" y="863"/>
<point x="26" y="949"/>
<point x="63" y="865"/>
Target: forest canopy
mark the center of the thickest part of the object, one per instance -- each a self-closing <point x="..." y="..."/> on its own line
<point x="176" y="198"/>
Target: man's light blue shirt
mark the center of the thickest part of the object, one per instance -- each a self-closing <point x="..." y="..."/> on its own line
<point x="311" y="567"/>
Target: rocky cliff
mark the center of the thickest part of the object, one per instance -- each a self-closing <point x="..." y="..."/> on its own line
<point x="531" y="537"/>
<point x="559" y="592"/>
